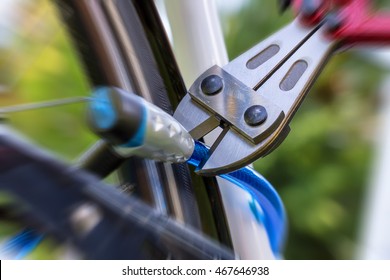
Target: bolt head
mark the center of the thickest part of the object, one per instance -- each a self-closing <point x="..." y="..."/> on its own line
<point x="212" y="85"/>
<point x="255" y="115"/>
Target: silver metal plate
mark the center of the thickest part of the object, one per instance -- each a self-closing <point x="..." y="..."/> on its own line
<point x="197" y="120"/>
<point x="230" y="104"/>
<point x="273" y="52"/>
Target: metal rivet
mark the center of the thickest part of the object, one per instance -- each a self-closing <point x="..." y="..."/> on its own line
<point x="212" y="84"/>
<point x="255" y="115"/>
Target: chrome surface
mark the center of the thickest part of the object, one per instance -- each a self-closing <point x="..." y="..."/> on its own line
<point x="288" y="40"/>
<point x="231" y="103"/>
<point x="165" y="138"/>
<point x="196" y="119"/>
<point x="279" y="84"/>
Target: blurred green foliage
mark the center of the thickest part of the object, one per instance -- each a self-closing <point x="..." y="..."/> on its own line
<point x="39" y="64"/>
<point x="320" y="170"/>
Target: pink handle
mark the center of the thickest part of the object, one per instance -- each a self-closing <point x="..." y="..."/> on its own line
<point x="361" y="26"/>
<point x="358" y="24"/>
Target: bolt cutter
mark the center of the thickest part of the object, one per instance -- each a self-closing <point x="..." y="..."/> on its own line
<point x="252" y="99"/>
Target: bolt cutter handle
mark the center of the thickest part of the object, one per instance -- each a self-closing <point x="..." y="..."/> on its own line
<point x="352" y="21"/>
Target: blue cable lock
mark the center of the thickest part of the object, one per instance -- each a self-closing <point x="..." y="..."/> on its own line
<point x="274" y="218"/>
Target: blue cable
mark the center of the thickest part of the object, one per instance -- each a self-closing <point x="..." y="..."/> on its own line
<point x="20" y="245"/>
<point x="274" y="218"/>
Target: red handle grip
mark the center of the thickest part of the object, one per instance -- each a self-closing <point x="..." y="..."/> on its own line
<point x="357" y="24"/>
